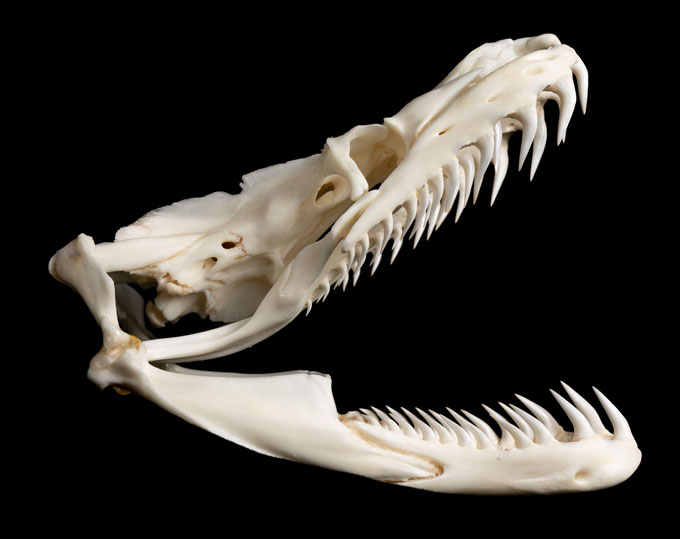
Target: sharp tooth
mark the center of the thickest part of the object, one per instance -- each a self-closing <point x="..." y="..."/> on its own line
<point x="587" y="410"/>
<point x="465" y="439"/>
<point x="547" y="95"/>
<point x="388" y="227"/>
<point x="406" y="427"/>
<point x="355" y="276"/>
<point x="425" y="432"/>
<point x="442" y="434"/>
<point x="445" y="434"/>
<point x="501" y="168"/>
<point x="375" y="262"/>
<point x="528" y="117"/>
<point x="485" y="145"/>
<point x="350" y="256"/>
<point x="582" y="428"/>
<point x="370" y="417"/>
<point x="619" y="423"/>
<point x="497" y="141"/>
<point x="443" y="421"/>
<point x="395" y="250"/>
<point x="386" y="420"/>
<point x="482" y="441"/>
<point x="543" y="416"/>
<point x="541" y="434"/>
<point x="506" y="440"/>
<point x="539" y="140"/>
<point x="450" y="189"/>
<point x="565" y="89"/>
<point x="518" y="437"/>
<point x="468" y="164"/>
<point x="308" y="304"/>
<point x="523" y="425"/>
<point x="411" y="207"/>
<point x="326" y="289"/>
<point x="437" y="184"/>
<point x="581" y="73"/>
<point x="421" y="214"/>
<point x="345" y="279"/>
<point x="484" y="426"/>
<point x="363" y="252"/>
<point x="342" y="267"/>
<point x="379" y="238"/>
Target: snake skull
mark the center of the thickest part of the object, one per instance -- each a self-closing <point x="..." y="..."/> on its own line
<point x="257" y="259"/>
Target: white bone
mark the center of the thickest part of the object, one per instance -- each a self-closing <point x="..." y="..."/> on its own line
<point x="257" y="259"/>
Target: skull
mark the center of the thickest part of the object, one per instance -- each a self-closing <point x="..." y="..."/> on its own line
<point x="257" y="259"/>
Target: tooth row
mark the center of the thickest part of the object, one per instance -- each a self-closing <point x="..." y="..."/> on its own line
<point x="524" y="429"/>
<point x="426" y="208"/>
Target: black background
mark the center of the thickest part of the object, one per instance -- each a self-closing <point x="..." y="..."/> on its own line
<point x="132" y="111"/>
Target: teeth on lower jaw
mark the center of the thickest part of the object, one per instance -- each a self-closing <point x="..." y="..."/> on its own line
<point x="483" y="442"/>
<point x="484" y="426"/>
<point x="403" y="423"/>
<point x="524" y="429"/>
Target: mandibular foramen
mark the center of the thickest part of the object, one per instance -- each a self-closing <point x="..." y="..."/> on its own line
<point x="257" y="259"/>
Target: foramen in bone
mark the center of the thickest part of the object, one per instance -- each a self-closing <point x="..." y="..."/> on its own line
<point x="258" y="259"/>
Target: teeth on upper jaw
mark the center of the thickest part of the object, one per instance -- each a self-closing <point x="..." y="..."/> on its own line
<point x="564" y="88"/>
<point x="525" y="429"/>
<point x="425" y="209"/>
<point x="421" y="214"/>
<point x="486" y="151"/>
<point x="437" y="186"/>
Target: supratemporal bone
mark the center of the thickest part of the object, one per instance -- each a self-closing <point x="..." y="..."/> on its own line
<point x="257" y="259"/>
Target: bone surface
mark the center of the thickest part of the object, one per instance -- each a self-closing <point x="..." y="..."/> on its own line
<point x="256" y="260"/>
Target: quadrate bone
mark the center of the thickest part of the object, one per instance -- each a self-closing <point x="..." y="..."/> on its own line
<point x="257" y="259"/>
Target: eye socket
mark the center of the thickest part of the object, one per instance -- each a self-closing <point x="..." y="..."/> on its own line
<point x="228" y="245"/>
